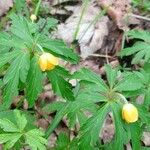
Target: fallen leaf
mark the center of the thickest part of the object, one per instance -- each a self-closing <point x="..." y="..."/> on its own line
<point x="5" y="5"/>
<point x="117" y="10"/>
<point x="90" y="36"/>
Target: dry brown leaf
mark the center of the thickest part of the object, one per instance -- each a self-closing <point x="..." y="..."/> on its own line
<point x="89" y="40"/>
<point x="117" y="10"/>
<point x="146" y="138"/>
<point x="5" y="5"/>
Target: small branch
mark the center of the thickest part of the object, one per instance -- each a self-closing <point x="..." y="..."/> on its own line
<point x="139" y="17"/>
<point x="100" y="55"/>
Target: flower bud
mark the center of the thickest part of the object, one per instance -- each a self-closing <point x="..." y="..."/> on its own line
<point x="129" y="113"/>
<point x="47" y="61"/>
<point x="33" y="17"/>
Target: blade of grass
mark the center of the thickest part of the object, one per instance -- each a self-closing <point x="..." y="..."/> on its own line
<point x="84" y="8"/>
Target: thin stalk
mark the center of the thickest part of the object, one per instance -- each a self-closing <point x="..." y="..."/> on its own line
<point x="140" y="17"/>
<point x="123" y="40"/>
<point x="122" y="97"/>
<point x="37" y="7"/>
<point x="40" y="47"/>
<point x="100" y="55"/>
<point x="84" y="8"/>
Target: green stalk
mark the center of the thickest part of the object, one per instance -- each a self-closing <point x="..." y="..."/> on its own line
<point x="84" y="8"/>
<point x="37" y="7"/>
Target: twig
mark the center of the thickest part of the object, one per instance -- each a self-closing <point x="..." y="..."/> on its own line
<point x="100" y="55"/>
<point x="107" y="60"/>
<point x="139" y="17"/>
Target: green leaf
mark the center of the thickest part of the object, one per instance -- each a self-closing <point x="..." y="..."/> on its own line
<point x="135" y="130"/>
<point x="34" y="81"/>
<point x="140" y="34"/>
<point x="60" y="86"/>
<point x="62" y="142"/>
<point x="62" y="72"/>
<point x="10" y="139"/>
<point x="20" y="28"/>
<point x="59" y="49"/>
<point x="7" y="57"/>
<point x="46" y="25"/>
<point x="18" y="70"/>
<point x="69" y="108"/>
<point x="111" y="75"/>
<point x="18" y="130"/>
<point x="19" y="5"/>
<point x="121" y="136"/>
<point x="8" y="126"/>
<point x="20" y="119"/>
<point x="89" y="132"/>
<point x="87" y="75"/>
<point x="60" y="114"/>
<point x="130" y="82"/>
<point x="141" y="49"/>
<point x="11" y="41"/>
<point x="86" y="91"/>
<point x="54" y="106"/>
<point x="35" y="139"/>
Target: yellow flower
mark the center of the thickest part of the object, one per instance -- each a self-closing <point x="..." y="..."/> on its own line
<point x="47" y="61"/>
<point x="33" y="17"/>
<point x="129" y="113"/>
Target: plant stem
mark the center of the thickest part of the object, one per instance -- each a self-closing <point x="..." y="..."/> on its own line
<point x="37" y="7"/>
<point x="122" y="98"/>
<point x="40" y="47"/>
<point x="100" y="55"/>
<point x="84" y="7"/>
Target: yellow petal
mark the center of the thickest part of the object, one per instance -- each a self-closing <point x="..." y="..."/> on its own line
<point x="33" y="17"/>
<point x="43" y="62"/>
<point x="52" y="59"/>
<point x="50" y="66"/>
<point x="130" y="113"/>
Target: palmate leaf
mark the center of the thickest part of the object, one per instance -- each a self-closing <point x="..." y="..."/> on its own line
<point x="9" y="139"/>
<point x="34" y="81"/>
<point x="141" y="49"/>
<point x="59" y="115"/>
<point x="18" y="126"/>
<point x="58" y="48"/>
<point x="62" y="142"/>
<point x="20" y="28"/>
<point x="8" y="41"/>
<point x="60" y="86"/>
<point x="34" y="138"/>
<point x="20" y="5"/>
<point x="89" y="132"/>
<point x="111" y="75"/>
<point x="140" y="34"/>
<point x="45" y="25"/>
<point x="130" y="82"/>
<point x="8" y="126"/>
<point x="14" y="132"/>
<point x="136" y="134"/>
<point x="7" y="57"/>
<point x="18" y="70"/>
<point x="69" y="108"/>
<point x="86" y="93"/>
<point x="121" y="135"/>
<point x="21" y="120"/>
<point x="87" y="75"/>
